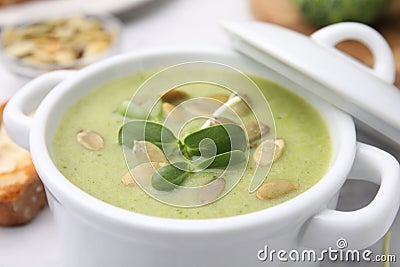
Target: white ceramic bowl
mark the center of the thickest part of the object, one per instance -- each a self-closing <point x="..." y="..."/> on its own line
<point x="95" y="233"/>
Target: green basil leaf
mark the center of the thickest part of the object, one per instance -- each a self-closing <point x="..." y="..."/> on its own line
<point x="168" y="177"/>
<point x="133" y="111"/>
<point x="152" y="132"/>
<point x="226" y="137"/>
<point x="230" y="158"/>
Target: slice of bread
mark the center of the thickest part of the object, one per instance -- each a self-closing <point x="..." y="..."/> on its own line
<point x="21" y="191"/>
<point x="10" y="2"/>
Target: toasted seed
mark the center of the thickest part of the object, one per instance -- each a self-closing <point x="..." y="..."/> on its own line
<point x="95" y="48"/>
<point x="167" y="108"/>
<point x="8" y="36"/>
<point x="41" y="42"/>
<point x="275" y="189"/>
<point x="174" y="95"/>
<point x="220" y="97"/>
<point x="240" y="108"/>
<point x="64" y="33"/>
<point x="212" y="190"/>
<point x="90" y="140"/>
<point x="127" y="179"/>
<point x="35" y="29"/>
<point x="255" y="130"/>
<point x="65" y="55"/>
<point x="264" y="154"/>
<point x="39" y="56"/>
<point x="251" y="145"/>
<point x="175" y="113"/>
<point x="147" y="151"/>
<point x="20" y="49"/>
<point x="51" y="46"/>
<point x="30" y="60"/>
<point x="142" y="173"/>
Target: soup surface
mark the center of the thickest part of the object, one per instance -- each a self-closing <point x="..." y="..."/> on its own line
<point x="304" y="160"/>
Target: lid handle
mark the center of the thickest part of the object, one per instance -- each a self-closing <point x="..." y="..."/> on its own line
<point x="384" y="65"/>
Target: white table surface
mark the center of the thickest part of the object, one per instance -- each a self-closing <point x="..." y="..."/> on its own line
<point x="164" y="23"/>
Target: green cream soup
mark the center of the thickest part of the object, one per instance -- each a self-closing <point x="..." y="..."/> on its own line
<point x="305" y="158"/>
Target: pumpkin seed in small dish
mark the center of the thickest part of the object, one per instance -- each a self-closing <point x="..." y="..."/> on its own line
<point x="69" y="42"/>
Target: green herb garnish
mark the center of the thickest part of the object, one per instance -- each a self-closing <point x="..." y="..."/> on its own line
<point x="141" y="130"/>
<point x="225" y="137"/>
<point x="133" y="111"/>
<point x="167" y="177"/>
<point x="217" y="146"/>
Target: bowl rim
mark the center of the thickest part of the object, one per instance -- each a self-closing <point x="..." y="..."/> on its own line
<point x="103" y="215"/>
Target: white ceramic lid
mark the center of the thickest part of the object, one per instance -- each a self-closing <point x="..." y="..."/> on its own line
<point x="368" y="94"/>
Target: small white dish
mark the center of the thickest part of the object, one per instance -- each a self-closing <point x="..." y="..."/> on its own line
<point x="113" y="236"/>
<point x="31" y="69"/>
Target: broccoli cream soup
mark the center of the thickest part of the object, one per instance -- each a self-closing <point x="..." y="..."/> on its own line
<point x="87" y="150"/>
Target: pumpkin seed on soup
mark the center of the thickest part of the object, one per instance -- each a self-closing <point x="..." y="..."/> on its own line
<point x="90" y="140"/>
<point x="174" y="95"/>
<point x="275" y="189"/>
<point x="269" y="151"/>
<point x="146" y="151"/>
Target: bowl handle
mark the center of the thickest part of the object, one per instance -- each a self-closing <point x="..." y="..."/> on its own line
<point x="384" y="65"/>
<point x="16" y="119"/>
<point x="360" y="228"/>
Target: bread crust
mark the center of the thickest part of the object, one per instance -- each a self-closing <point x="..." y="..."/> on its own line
<point x="10" y="2"/>
<point x="28" y="200"/>
<point x="22" y="193"/>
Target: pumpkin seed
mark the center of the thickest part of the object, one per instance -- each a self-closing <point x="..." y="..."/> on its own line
<point x="90" y="140"/>
<point x="275" y="189"/>
<point x="212" y="190"/>
<point x="127" y="179"/>
<point x="251" y="145"/>
<point x="241" y="108"/>
<point x="8" y="36"/>
<point x="142" y="173"/>
<point x="220" y="97"/>
<point x="177" y="114"/>
<point x="64" y="33"/>
<point x="20" y="49"/>
<point x="57" y="41"/>
<point x="40" y="56"/>
<point x="36" y="29"/>
<point x="64" y="56"/>
<point x="264" y="153"/>
<point x="51" y="46"/>
<point x="255" y="130"/>
<point x="174" y="95"/>
<point x="95" y="48"/>
<point x="168" y="108"/>
<point x="146" y="151"/>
